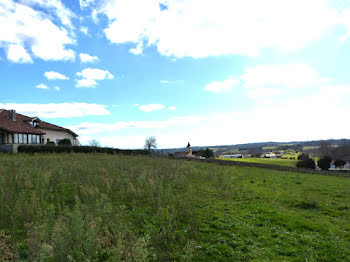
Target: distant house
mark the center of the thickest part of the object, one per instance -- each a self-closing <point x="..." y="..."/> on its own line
<point x="188" y="153"/>
<point x="232" y="156"/>
<point x="269" y="155"/>
<point x="17" y="129"/>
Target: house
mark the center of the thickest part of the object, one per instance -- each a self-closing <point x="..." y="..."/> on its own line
<point x="17" y="129"/>
<point x="269" y="155"/>
<point x="188" y="153"/>
<point x="232" y="156"/>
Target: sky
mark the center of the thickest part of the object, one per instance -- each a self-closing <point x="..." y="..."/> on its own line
<point x="201" y="71"/>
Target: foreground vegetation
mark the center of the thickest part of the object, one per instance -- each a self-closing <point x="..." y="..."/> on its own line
<point x="99" y="207"/>
<point x="269" y="161"/>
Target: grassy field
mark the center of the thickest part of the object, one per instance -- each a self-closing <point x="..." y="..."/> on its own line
<point x="270" y="161"/>
<point x="97" y="207"/>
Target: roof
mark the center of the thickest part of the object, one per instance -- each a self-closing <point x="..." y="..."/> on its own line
<point x="21" y="125"/>
<point x="46" y="125"/>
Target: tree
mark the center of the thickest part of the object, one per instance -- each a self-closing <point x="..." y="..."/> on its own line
<point x="150" y="143"/>
<point x="303" y="156"/>
<point x="325" y="148"/>
<point x="94" y="143"/>
<point x="208" y="153"/>
<point x="65" y="142"/>
<point x="324" y="163"/>
<point x="339" y="163"/>
<point x="307" y="163"/>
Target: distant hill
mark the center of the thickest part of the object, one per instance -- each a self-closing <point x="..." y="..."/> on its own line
<point x="260" y="146"/>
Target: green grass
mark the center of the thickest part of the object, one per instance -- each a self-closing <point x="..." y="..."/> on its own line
<point x="97" y="207"/>
<point x="270" y="161"/>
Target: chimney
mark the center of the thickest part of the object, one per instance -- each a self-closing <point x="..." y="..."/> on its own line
<point x="12" y="115"/>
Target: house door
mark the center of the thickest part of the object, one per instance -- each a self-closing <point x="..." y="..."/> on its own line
<point x="2" y="138"/>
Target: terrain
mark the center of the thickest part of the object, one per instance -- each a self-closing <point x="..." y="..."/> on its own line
<point x="251" y="148"/>
<point x="99" y="207"/>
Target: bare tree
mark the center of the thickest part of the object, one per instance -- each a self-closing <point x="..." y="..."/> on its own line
<point x="94" y="142"/>
<point x="150" y="143"/>
<point x="325" y="148"/>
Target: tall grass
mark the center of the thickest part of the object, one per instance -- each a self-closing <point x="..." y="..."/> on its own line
<point x="79" y="207"/>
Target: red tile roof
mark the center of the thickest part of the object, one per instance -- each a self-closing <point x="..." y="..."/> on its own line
<point x="21" y="124"/>
<point x="46" y="125"/>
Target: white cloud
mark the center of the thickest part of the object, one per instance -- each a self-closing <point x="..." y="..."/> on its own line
<point x="224" y="86"/>
<point x="138" y="50"/>
<point x="172" y="108"/>
<point x="151" y="107"/>
<point x="86" y="3"/>
<point x="84" y="30"/>
<point x="33" y="32"/>
<point x="42" y="86"/>
<point x="345" y="19"/>
<point x="164" y="82"/>
<point x="255" y="125"/>
<point x="52" y="75"/>
<point x="285" y="75"/>
<point x="90" y="75"/>
<point x="263" y="92"/>
<point x="57" y="88"/>
<point x="65" y="15"/>
<point x="86" y="58"/>
<point x="58" y="110"/>
<point x="198" y="28"/>
<point x="86" y="83"/>
<point x="17" y="54"/>
<point x="95" y="73"/>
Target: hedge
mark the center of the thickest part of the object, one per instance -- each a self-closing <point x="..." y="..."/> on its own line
<point x="77" y="149"/>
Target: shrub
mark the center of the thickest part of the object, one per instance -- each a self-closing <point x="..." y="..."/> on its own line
<point x="77" y="149"/>
<point x="307" y="163"/>
<point x="339" y="163"/>
<point x="324" y="163"/>
<point x="65" y="142"/>
<point x="50" y="143"/>
<point x="303" y="156"/>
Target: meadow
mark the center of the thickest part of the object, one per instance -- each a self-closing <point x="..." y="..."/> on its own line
<point x="270" y="161"/>
<point x="99" y="207"/>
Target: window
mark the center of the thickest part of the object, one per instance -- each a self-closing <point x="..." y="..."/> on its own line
<point x="73" y="142"/>
<point x="57" y="141"/>
<point x="25" y="138"/>
<point x="15" y="138"/>
<point x="34" y="139"/>
<point x="30" y="138"/>
<point x="20" y="138"/>
<point x="38" y="139"/>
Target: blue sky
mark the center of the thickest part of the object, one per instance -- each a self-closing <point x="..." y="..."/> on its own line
<point x="208" y="72"/>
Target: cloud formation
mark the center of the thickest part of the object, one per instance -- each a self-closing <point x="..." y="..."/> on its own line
<point x="182" y="29"/>
<point x="58" y="110"/>
<point x="254" y="125"/>
<point x="151" y="107"/>
<point x="90" y="75"/>
<point x="42" y="86"/>
<point x="52" y="75"/>
<point x="86" y="58"/>
<point x="32" y="33"/>
<point x="223" y="86"/>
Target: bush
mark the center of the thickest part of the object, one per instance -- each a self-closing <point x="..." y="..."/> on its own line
<point x="31" y="149"/>
<point x="324" y="163"/>
<point x="207" y="153"/>
<point x="65" y="142"/>
<point x="306" y="163"/>
<point x="303" y="156"/>
<point x="50" y="143"/>
<point x="339" y="163"/>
